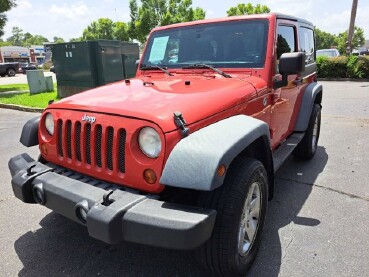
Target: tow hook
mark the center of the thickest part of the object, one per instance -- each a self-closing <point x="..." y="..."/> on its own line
<point x="180" y="123"/>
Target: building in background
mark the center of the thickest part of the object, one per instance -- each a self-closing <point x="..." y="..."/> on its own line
<point x="35" y="54"/>
<point x="15" y="54"/>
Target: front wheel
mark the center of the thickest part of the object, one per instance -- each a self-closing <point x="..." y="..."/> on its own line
<point x="241" y="205"/>
<point x="11" y="72"/>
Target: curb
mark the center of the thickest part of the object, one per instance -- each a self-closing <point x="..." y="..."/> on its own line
<point x="343" y="79"/>
<point x="20" y="108"/>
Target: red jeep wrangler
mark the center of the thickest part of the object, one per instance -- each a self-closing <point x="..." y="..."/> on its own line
<point x="184" y="155"/>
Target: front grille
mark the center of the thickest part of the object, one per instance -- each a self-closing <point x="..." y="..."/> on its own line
<point x="76" y="138"/>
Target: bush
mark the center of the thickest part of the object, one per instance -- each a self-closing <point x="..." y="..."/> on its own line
<point x="343" y="67"/>
<point x="332" y="67"/>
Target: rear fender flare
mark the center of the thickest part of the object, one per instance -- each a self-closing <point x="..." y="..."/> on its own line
<point x="308" y="100"/>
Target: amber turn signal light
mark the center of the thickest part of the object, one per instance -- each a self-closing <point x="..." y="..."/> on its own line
<point x="221" y="170"/>
<point x="150" y="176"/>
<point x="44" y="149"/>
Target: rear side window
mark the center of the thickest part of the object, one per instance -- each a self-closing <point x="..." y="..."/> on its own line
<point x="286" y="40"/>
<point x="306" y="39"/>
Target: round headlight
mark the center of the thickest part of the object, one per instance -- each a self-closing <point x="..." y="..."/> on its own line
<point x="49" y="123"/>
<point x="149" y="142"/>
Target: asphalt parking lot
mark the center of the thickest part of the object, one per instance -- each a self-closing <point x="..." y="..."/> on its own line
<point x="317" y="224"/>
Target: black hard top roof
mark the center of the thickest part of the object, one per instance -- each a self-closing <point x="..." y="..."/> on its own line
<point x="293" y="18"/>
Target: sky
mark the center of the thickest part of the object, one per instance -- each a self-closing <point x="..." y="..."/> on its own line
<point x="68" y="18"/>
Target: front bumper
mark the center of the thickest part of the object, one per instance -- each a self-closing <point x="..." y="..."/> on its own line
<point x="113" y="214"/>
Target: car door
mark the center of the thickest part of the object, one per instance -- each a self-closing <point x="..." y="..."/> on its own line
<point x="284" y="98"/>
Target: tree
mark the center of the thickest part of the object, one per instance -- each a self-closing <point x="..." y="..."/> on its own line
<point x="325" y="40"/>
<point x="103" y="28"/>
<point x="248" y="8"/>
<point x="5" y="5"/>
<point x="58" y="40"/>
<point x="76" y="39"/>
<point x="120" y="31"/>
<point x="358" y="39"/>
<point x="17" y="36"/>
<point x="35" y="40"/>
<point x="153" y="13"/>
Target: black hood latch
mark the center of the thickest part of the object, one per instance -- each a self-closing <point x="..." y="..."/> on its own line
<point x="180" y="123"/>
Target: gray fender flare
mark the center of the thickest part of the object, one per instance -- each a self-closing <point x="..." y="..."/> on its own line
<point x="194" y="160"/>
<point x="308" y="100"/>
<point x="29" y="136"/>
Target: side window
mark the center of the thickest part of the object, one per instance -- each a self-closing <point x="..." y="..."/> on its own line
<point x="306" y="38"/>
<point x="286" y="41"/>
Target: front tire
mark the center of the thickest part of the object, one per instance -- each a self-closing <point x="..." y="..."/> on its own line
<point x="241" y="205"/>
<point x="10" y="72"/>
<point x="306" y="149"/>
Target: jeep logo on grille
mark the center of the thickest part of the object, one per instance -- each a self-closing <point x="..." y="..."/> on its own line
<point x="88" y="118"/>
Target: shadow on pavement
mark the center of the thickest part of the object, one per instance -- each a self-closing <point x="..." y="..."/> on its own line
<point x="63" y="248"/>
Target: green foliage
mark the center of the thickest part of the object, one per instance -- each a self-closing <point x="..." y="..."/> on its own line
<point x="120" y="31"/>
<point x="358" y="39"/>
<point x="358" y="67"/>
<point x="153" y="13"/>
<point x="39" y="100"/>
<point x="19" y="38"/>
<point x="5" y="5"/>
<point x="105" y="28"/>
<point x="343" y="67"/>
<point x="248" y="8"/>
<point x="325" y="40"/>
<point x="58" y="40"/>
<point x="76" y="39"/>
<point x="34" y="40"/>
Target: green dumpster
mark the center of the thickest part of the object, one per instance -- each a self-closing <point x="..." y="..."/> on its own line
<point x="83" y="65"/>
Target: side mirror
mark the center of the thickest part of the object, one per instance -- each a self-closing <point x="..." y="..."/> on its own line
<point x="289" y="64"/>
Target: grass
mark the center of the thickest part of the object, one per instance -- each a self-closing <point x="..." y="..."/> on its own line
<point x="17" y="87"/>
<point x="39" y="100"/>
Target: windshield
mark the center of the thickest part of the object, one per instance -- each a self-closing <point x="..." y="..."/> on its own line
<point x="237" y="44"/>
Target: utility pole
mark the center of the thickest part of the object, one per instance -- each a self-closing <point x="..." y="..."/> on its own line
<point x="352" y="27"/>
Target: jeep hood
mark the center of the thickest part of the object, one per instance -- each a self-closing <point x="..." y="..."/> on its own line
<point x="156" y="98"/>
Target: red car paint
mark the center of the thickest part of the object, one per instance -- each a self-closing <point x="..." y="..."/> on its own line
<point x="151" y="98"/>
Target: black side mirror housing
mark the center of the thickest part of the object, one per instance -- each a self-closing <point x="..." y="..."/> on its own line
<point x="289" y="64"/>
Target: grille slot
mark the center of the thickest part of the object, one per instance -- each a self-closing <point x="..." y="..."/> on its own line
<point x="78" y="141"/>
<point x="109" y="148"/>
<point x="60" y="138"/>
<point x="98" y="147"/>
<point x="88" y="143"/>
<point x="69" y="138"/>
<point x="121" y="150"/>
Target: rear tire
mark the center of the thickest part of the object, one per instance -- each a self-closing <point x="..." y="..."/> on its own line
<point x="241" y="204"/>
<point x="306" y="149"/>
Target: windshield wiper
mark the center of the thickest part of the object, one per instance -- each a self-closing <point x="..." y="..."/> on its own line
<point x="203" y="65"/>
<point x="153" y="67"/>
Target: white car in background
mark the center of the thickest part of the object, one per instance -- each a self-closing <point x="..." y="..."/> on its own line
<point x="329" y="53"/>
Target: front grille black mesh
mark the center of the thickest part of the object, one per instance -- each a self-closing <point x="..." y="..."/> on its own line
<point x="69" y="138"/>
<point x="98" y="145"/>
<point x="121" y="150"/>
<point x="60" y="137"/>
<point x="109" y="148"/>
<point x="78" y="141"/>
<point x="88" y="143"/>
